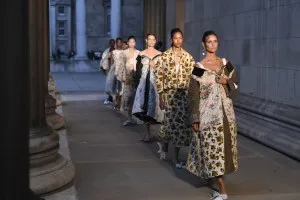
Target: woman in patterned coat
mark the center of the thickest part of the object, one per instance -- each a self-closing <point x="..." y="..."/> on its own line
<point x="126" y="74"/>
<point x="173" y="71"/>
<point x="213" y="149"/>
<point x="146" y="104"/>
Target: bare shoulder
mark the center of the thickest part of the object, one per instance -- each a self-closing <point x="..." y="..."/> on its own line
<point x="158" y="52"/>
<point x="142" y="53"/>
<point x="202" y="61"/>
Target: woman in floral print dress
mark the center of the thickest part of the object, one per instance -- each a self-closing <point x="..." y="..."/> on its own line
<point x="213" y="149"/>
<point x="173" y="71"/>
<point x="125" y="74"/>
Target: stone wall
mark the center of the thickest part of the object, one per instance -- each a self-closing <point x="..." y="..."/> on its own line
<point x="97" y="37"/>
<point x="132" y="20"/>
<point x="262" y="39"/>
<point x="132" y="23"/>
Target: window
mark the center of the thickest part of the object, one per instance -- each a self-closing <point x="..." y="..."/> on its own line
<point x="107" y="16"/>
<point x="61" y="10"/>
<point x="61" y="28"/>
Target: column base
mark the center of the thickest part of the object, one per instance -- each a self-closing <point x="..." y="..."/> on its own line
<point x="49" y="170"/>
<point x="56" y="121"/>
<point x="51" y="176"/>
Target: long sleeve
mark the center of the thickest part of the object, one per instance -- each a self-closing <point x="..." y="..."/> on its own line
<point x="193" y="101"/>
<point x="121" y="67"/>
<point x="232" y="84"/>
<point x="159" y="73"/>
<point x="104" y="63"/>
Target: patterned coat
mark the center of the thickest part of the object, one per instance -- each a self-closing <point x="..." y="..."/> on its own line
<point x="213" y="150"/>
<point x="146" y="107"/>
<point x="172" y="83"/>
<point x="125" y="74"/>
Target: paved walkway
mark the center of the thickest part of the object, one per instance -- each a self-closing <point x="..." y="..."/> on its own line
<point x="111" y="164"/>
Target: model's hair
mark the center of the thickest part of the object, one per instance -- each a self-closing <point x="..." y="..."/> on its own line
<point x="158" y="45"/>
<point x="208" y="33"/>
<point x="150" y="34"/>
<point x="131" y="37"/>
<point x="119" y="39"/>
<point x="174" y="31"/>
<point x="111" y="40"/>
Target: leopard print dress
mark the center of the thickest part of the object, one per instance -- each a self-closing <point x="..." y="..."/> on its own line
<point x="173" y="83"/>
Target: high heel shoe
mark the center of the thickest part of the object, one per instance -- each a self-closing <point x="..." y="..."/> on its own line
<point x="217" y="196"/>
<point x="163" y="155"/>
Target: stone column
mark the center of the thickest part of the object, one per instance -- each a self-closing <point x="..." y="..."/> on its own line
<point x="170" y="20"/>
<point x="14" y="123"/>
<point x="115" y="23"/>
<point x="81" y="50"/>
<point x="180" y="15"/>
<point x="52" y="26"/>
<point x="155" y="19"/>
<point x="48" y="169"/>
<point x="55" y="120"/>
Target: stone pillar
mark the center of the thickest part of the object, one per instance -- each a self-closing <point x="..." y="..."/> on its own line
<point x="55" y="120"/>
<point x="48" y="169"/>
<point x="155" y="19"/>
<point x="52" y="24"/>
<point x="115" y="23"/>
<point x="14" y="124"/>
<point x="180" y="15"/>
<point x="81" y="43"/>
<point x="170" y="20"/>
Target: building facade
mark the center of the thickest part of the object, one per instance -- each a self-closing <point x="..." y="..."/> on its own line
<point x="85" y="25"/>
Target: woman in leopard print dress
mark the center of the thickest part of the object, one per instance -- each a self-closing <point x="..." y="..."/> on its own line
<point x="173" y="70"/>
<point x="213" y="149"/>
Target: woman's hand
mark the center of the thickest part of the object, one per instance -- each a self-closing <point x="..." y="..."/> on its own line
<point x="195" y="127"/>
<point x="128" y="82"/>
<point x="131" y="67"/>
<point x="222" y="80"/>
<point x="152" y="64"/>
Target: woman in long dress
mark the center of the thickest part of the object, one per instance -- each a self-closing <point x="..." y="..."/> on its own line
<point x="146" y="102"/>
<point x="105" y="64"/>
<point x="113" y="85"/>
<point x="213" y="149"/>
<point x="126" y="75"/>
<point x="173" y="70"/>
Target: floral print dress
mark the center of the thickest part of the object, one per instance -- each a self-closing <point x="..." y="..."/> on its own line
<point x="213" y="150"/>
<point x="125" y="75"/>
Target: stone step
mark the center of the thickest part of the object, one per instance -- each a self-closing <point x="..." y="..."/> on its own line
<point x="276" y="134"/>
<point x="287" y="114"/>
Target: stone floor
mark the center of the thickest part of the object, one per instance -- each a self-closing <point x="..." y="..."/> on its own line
<point x="111" y="164"/>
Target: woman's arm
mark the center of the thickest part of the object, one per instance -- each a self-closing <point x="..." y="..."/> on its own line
<point x="158" y="70"/>
<point x="159" y="73"/>
<point x="193" y="103"/>
<point x="232" y="84"/>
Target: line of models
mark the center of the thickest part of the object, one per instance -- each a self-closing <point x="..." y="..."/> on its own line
<point x="192" y="101"/>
